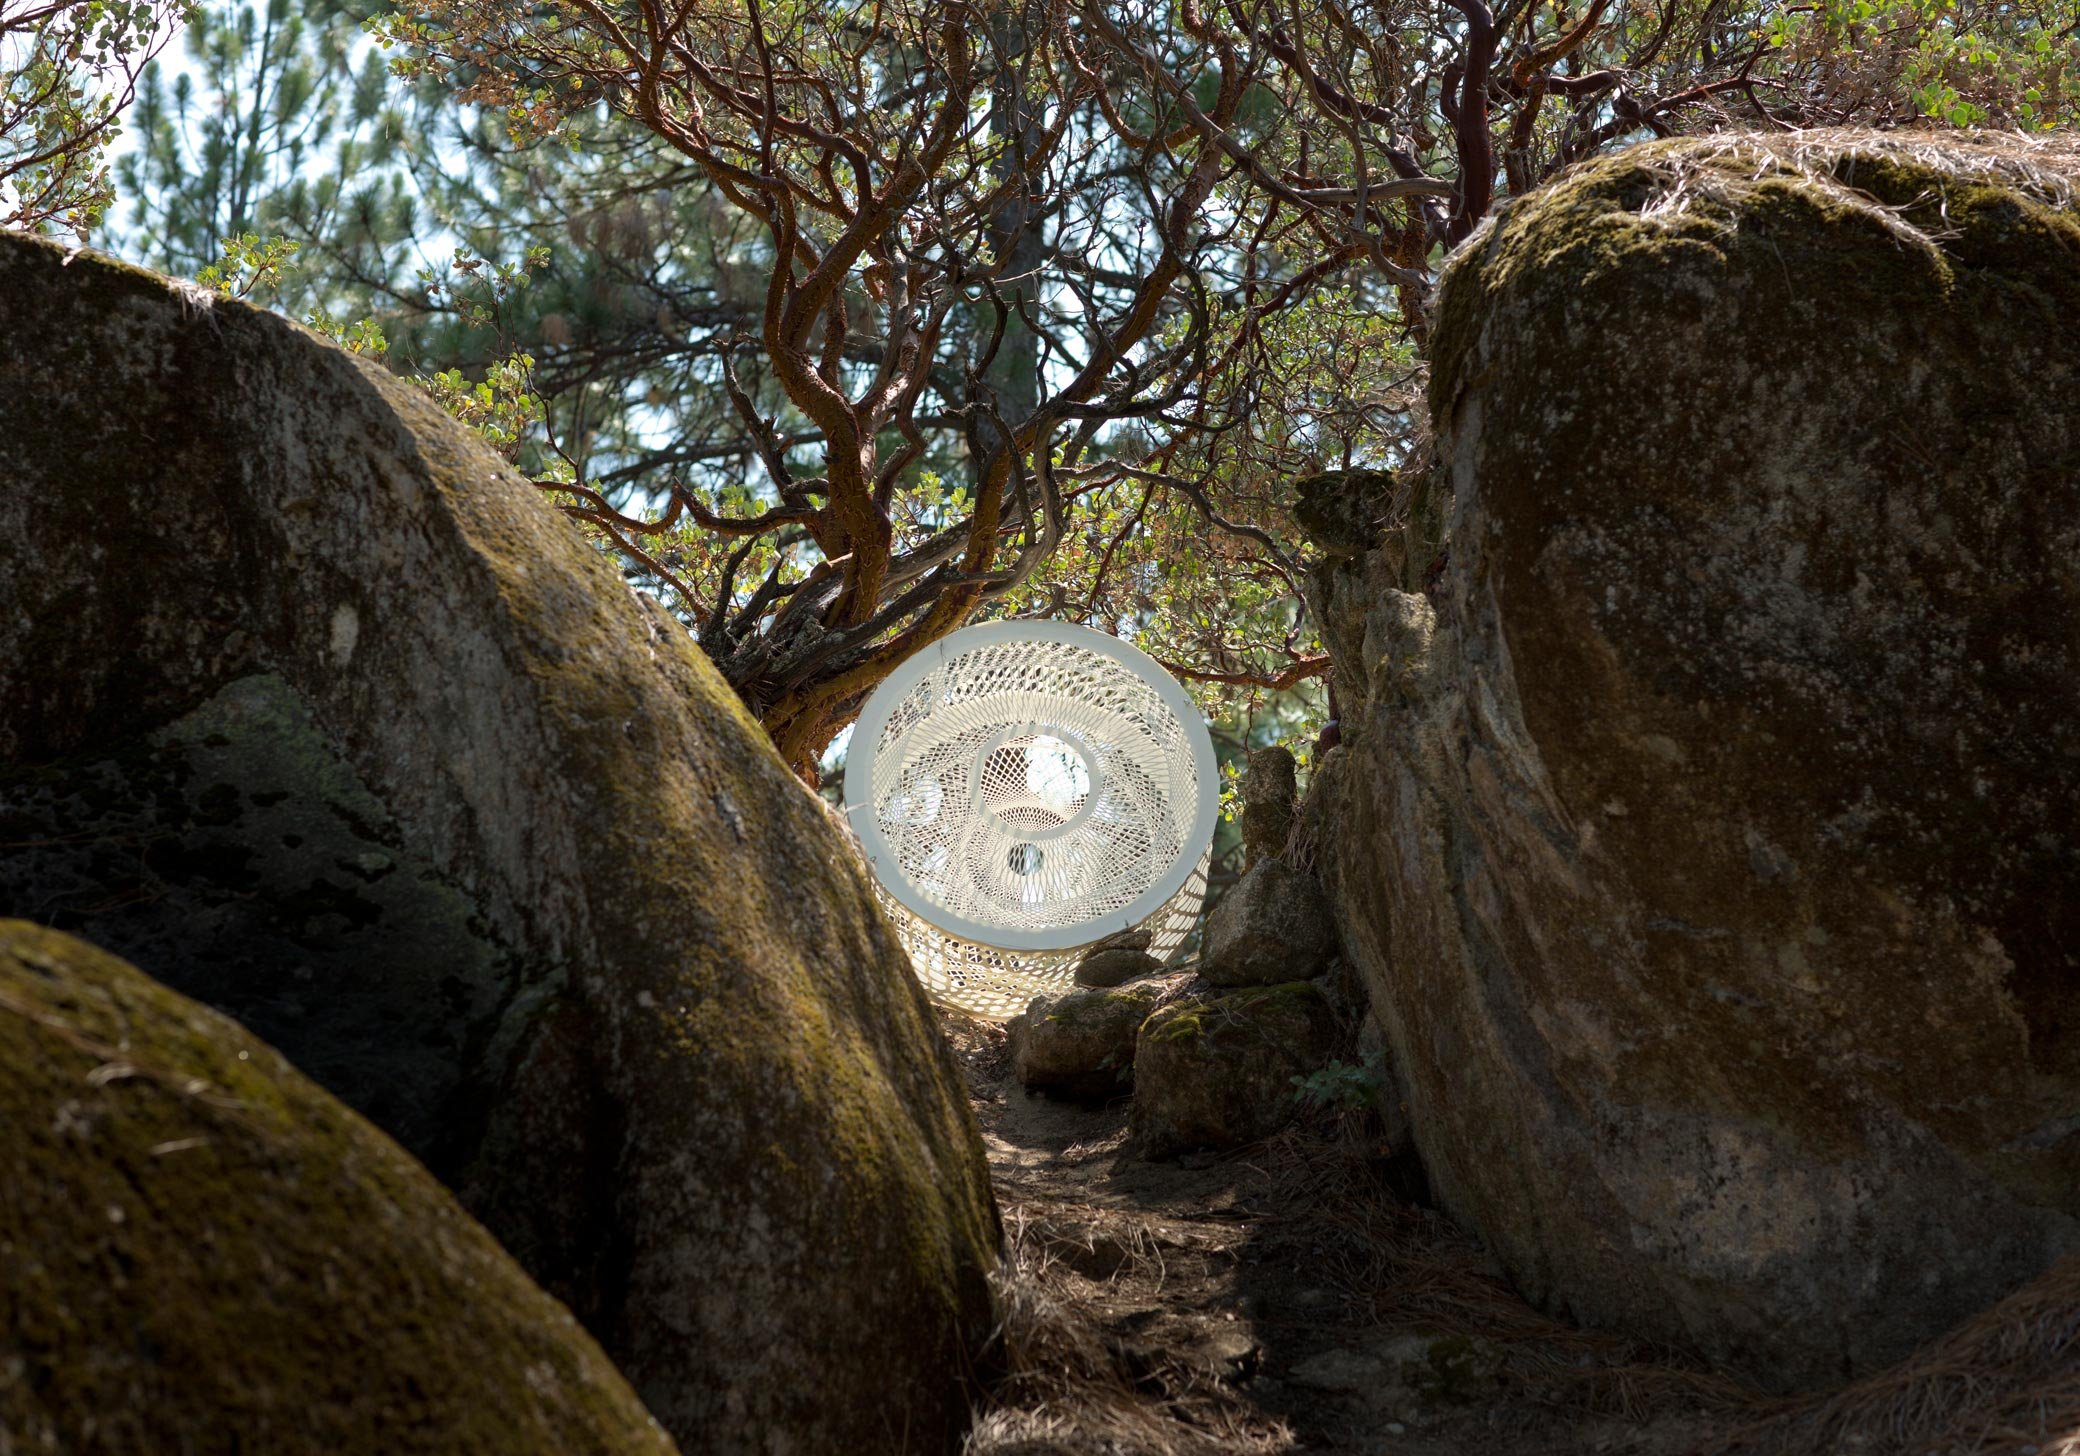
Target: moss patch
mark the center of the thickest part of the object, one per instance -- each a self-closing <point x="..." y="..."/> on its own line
<point x="713" y="1022"/>
<point x="1217" y="1071"/>
<point x="199" y="1247"/>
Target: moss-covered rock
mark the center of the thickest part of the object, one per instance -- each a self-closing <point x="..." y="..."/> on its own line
<point x="1217" y="1071"/>
<point x="1081" y="1043"/>
<point x="201" y="1251"/>
<point x="1272" y="925"/>
<point x="624" y="981"/>
<point x="1115" y="965"/>
<point x="1708" y="834"/>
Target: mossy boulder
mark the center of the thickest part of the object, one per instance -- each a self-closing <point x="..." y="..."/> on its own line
<point x="1081" y="1043"/>
<point x="200" y="1250"/>
<point x="1272" y="925"/>
<point x="313" y="705"/>
<point x="1217" y="1072"/>
<point x="1709" y="834"/>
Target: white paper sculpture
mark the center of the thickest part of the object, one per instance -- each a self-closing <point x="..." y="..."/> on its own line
<point x="1022" y="790"/>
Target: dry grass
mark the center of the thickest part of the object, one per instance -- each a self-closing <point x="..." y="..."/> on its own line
<point x="1414" y="1269"/>
<point x="1066" y="1390"/>
<point x="2007" y="1380"/>
<point x="1719" y="168"/>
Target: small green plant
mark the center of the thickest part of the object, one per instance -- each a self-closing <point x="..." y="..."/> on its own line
<point x="249" y="263"/>
<point x="362" y="336"/>
<point x="1340" y="1085"/>
<point x="501" y="407"/>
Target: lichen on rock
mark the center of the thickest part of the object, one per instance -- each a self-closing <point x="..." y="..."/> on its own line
<point x="1217" y="1071"/>
<point x="1706" y="829"/>
<point x="695" y="1089"/>
<point x="201" y="1250"/>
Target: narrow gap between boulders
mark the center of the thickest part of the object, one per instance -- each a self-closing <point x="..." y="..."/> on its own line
<point x="1281" y="1298"/>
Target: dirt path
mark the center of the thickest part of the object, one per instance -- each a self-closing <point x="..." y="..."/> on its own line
<point x="1281" y="1299"/>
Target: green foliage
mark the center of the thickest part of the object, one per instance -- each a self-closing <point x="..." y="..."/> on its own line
<point x="361" y="336"/>
<point x="500" y="408"/>
<point x="1966" y="63"/>
<point x="248" y="262"/>
<point x="1341" y="1086"/>
<point x="68" y="70"/>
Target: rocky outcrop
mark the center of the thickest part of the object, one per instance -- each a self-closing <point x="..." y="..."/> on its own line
<point x="1217" y="1071"/>
<point x="1268" y="792"/>
<point x="202" y="1250"/>
<point x="1081" y="1043"/>
<point x="1707" y="835"/>
<point x="1272" y="925"/>
<point x="314" y="707"/>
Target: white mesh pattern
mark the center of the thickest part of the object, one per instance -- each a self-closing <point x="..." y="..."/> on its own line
<point x="998" y="983"/>
<point x="1026" y="790"/>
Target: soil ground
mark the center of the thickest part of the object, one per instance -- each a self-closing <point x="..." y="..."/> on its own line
<point x="1289" y="1297"/>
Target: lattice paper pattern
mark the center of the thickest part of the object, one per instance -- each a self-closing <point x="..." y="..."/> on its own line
<point x="1024" y="790"/>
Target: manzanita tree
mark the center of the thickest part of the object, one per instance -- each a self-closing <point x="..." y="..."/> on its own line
<point x="843" y="322"/>
<point x="984" y="247"/>
<point x="1039" y="299"/>
<point x="68" y="69"/>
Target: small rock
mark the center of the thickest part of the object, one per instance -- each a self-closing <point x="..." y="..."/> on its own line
<point x="1273" y="925"/>
<point x="1107" y="966"/>
<point x="1138" y="937"/>
<point x="1218" y="1072"/>
<point x="1416" y="1378"/>
<point x="1269" y="790"/>
<point x="1441" y="1370"/>
<point x="1229" y="1353"/>
<point x="1080" y="1043"/>
<point x="1343" y="1371"/>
